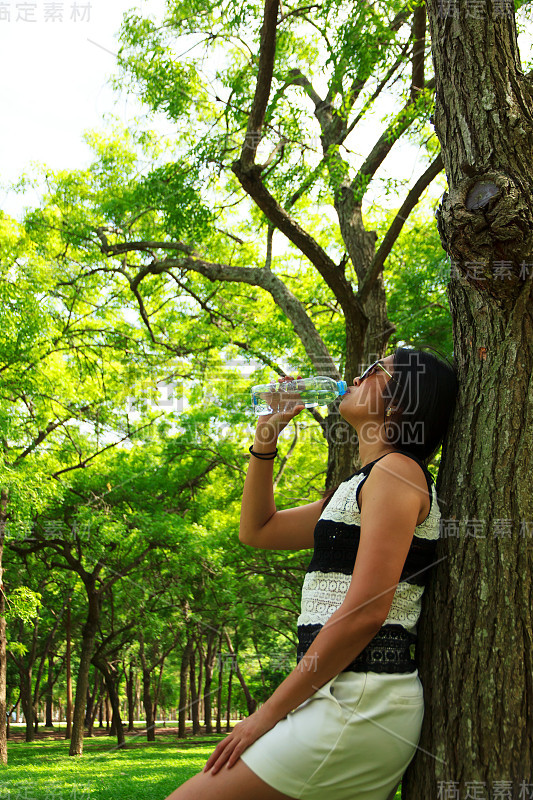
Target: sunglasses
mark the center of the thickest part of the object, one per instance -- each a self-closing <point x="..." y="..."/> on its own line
<point x="374" y="368"/>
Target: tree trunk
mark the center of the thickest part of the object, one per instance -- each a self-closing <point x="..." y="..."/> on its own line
<point x="48" y="722"/>
<point x="137" y="696"/>
<point x="158" y="688"/>
<point x="182" y="714"/>
<point x="228" y="704"/>
<point x="3" y="637"/>
<point x="148" y="706"/>
<point x="87" y="646"/>
<point x="209" y="666"/>
<point x="26" y="701"/>
<point x="251" y="703"/>
<point x="200" y="662"/>
<point x="89" y="702"/>
<point x="93" y="702"/>
<point x="92" y="698"/>
<point x="101" y="712"/>
<point x="219" y="687"/>
<point x="107" y="714"/>
<point x="194" y="695"/>
<point x="475" y="632"/>
<point x="68" y="657"/>
<point x="129" y="692"/>
<point x="112" y="680"/>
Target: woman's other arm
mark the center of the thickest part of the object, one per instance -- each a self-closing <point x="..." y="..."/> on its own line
<point x="262" y="525"/>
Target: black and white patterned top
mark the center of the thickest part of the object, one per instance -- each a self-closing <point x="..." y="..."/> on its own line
<point x="330" y="571"/>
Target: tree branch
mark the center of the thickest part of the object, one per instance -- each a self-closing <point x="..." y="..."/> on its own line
<point x="418" y="33"/>
<point x="296" y="12"/>
<point x="332" y="274"/>
<point x="267" y="54"/>
<point x="397" y="224"/>
<point x="126" y="247"/>
<point x="82" y="464"/>
<point x="261" y="357"/>
<point x="381" y="85"/>
<point x="249" y="175"/>
<point x="253" y="276"/>
<point x="42" y="434"/>
<point x="319" y="104"/>
<point x="292" y="307"/>
<point x="383" y="147"/>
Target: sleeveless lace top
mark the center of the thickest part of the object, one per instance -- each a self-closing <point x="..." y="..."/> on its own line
<point x="330" y="571"/>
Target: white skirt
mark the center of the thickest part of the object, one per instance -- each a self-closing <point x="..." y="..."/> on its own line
<point x="351" y="740"/>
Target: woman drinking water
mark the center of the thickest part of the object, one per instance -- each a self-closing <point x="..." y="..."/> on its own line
<point x="346" y="722"/>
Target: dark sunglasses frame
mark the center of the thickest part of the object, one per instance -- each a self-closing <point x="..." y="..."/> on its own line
<point x="372" y="368"/>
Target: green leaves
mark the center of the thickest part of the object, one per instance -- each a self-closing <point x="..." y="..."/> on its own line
<point x="168" y="84"/>
<point x="23" y="604"/>
<point x="172" y="189"/>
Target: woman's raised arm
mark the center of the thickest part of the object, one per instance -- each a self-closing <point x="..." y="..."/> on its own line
<point x="261" y="524"/>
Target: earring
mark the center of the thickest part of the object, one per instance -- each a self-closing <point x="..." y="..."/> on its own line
<point x="388" y="412"/>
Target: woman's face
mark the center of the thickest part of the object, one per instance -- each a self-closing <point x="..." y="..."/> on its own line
<point x="363" y="400"/>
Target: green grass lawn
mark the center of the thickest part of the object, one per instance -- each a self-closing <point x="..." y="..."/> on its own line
<point x="43" y="770"/>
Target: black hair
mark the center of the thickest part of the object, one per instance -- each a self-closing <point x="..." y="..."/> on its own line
<point x="421" y="395"/>
<point x="424" y="389"/>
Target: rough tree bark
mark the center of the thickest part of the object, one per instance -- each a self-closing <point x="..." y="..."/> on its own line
<point x="475" y="632"/>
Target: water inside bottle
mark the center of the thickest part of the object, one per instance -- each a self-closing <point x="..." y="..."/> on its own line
<point x="274" y="402"/>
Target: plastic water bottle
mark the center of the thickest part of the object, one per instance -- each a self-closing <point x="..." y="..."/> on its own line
<point x="268" y="398"/>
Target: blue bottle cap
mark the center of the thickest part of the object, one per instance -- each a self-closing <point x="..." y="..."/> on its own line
<point x="342" y="386"/>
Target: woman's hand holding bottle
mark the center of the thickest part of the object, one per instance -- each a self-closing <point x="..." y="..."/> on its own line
<point x="258" y="506"/>
<point x="269" y="426"/>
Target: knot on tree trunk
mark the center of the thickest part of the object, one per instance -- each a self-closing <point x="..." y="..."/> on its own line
<point x="251" y="173"/>
<point x="486" y="220"/>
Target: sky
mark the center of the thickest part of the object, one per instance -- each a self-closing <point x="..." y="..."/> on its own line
<point x="56" y="58"/>
<point x="58" y="83"/>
